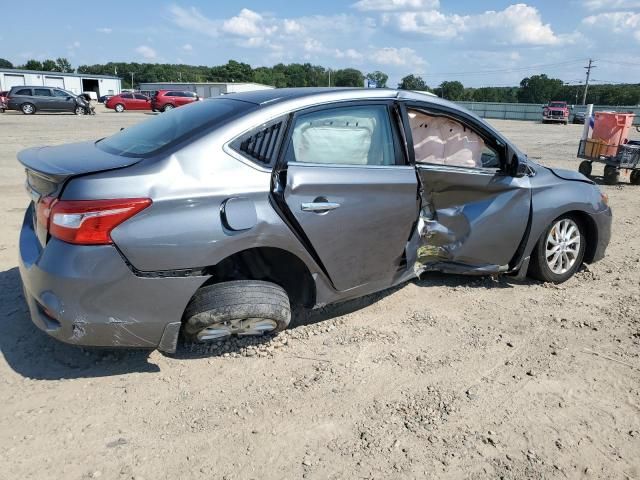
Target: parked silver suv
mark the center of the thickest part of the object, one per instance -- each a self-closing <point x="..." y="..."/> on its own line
<point x="217" y="218"/>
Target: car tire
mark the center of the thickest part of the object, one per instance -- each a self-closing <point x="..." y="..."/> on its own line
<point x="28" y="108"/>
<point x="611" y="175"/>
<point x="119" y="108"/>
<point x="79" y="110"/>
<point x="634" y="178"/>
<point x="238" y="307"/>
<point x="548" y="267"/>
<point x="167" y="107"/>
<point x="585" y="168"/>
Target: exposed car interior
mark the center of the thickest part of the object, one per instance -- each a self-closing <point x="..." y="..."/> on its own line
<point x="441" y="140"/>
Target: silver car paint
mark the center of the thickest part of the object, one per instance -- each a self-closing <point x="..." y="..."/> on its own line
<point x="186" y="228"/>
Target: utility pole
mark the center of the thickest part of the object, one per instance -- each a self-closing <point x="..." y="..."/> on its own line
<point x="329" y="70"/>
<point x="131" y="80"/>
<point x="586" y="83"/>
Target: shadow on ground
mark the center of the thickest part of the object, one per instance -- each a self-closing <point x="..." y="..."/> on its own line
<point x="33" y="354"/>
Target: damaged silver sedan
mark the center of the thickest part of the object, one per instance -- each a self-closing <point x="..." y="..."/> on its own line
<point x="218" y="218"/>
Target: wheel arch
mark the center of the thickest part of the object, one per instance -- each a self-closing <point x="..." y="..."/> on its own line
<point x="269" y="264"/>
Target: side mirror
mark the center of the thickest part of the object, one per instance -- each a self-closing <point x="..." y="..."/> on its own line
<point x="516" y="163"/>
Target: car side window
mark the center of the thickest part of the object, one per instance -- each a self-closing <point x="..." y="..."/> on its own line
<point x="140" y="97"/>
<point x="261" y="144"/>
<point x="443" y="141"/>
<point x="60" y="93"/>
<point x="354" y="135"/>
<point x="41" y="92"/>
<point x="23" y="91"/>
<point x="126" y="95"/>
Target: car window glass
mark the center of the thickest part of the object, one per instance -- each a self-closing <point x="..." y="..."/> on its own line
<point x="358" y="135"/>
<point x="148" y="137"/>
<point x="41" y="92"/>
<point x="444" y="141"/>
<point x="23" y="91"/>
<point x="126" y="95"/>
<point x="61" y="93"/>
<point x="140" y="97"/>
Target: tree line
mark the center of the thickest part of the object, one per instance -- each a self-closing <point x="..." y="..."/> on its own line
<point x="533" y="89"/>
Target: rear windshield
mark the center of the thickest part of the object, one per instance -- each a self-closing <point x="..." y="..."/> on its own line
<point x="169" y="128"/>
<point x="558" y="104"/>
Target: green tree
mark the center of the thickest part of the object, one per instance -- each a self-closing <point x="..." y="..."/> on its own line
<point x="412" y="82"/>
<point x="32" y="65"/>
<point x="49" y="66"/>
<point x="4" y="63"/>
<point x="63" y="65"/>
<point x="539" y="89"/>
<point x="379" y="77"/>
<point x="348" y="77"/>
<point x="450" y="90"/>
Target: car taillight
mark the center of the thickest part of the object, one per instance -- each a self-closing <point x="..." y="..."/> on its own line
<point x="88" y="222"/>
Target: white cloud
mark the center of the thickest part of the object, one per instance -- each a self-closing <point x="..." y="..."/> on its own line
<point x="312" y="45"/>
<point x="247" y="24"/>
<point x="611" y="4"/>
<point x="349" y="53"/>
<point x="518" y="24"/>
<point x="291" y="26"/>
<point x="191" y="19"/>
<point x="398" y="57"/>
<point x="389" y="5"/>
<point x="104" y="30"/>
<point x="620" y="23"/>
<point x="187" y="47"/>
<point x="147" y="52"/>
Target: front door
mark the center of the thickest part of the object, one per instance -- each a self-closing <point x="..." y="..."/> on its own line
<point x="63" y="101"/>
<point x="474" y="216"/>
<point x="351" y="193"/>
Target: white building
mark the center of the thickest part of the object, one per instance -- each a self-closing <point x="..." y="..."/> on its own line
<point x="203" y="89"/>
<point x="73" y="82"/>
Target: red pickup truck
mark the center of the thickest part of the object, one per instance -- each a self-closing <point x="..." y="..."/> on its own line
<point x="556" y="112"/>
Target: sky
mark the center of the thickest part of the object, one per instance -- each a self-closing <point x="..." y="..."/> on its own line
<point x="480" y="43"/>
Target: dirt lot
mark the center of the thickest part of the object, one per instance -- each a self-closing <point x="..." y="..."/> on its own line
<point x="446" y="377"/>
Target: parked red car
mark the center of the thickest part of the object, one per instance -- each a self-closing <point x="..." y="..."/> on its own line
<point x="3" y="101"/>
<point x="129" y="101"/>
<point x="164" y="100"/>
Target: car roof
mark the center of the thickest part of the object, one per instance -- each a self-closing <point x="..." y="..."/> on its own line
<point x="318" y="94"/>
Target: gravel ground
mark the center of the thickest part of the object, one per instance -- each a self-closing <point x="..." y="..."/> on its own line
<point x="445" y="377"/>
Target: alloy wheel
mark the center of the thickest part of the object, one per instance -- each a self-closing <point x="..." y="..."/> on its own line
<point x="241" y="327"/>
<point x="562" y="246"/>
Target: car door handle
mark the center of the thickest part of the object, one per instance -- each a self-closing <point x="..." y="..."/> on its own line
<point x="319" y="207"/>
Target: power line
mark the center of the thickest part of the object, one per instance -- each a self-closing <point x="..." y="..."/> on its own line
<point x="506" y="70"/>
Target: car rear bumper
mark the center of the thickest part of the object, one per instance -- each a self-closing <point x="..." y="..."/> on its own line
<point x="603" y="224"/>
<point x="87" y="295"/>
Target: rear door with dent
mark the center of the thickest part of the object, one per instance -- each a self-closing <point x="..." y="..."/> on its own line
<point x="474" y="216"/>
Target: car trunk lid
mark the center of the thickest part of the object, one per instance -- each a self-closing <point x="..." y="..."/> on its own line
<point x="49" y="168"/>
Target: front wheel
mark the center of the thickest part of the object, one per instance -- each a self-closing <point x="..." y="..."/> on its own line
<point x="119" y="108"/>
<point x="585" y="168"/>
<point x="79" y="110"/>
<point x="167" y="107"/>
<point x="559" y="252"/>
<point x="239" y="307"/>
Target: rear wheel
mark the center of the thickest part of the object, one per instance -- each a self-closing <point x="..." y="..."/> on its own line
<point x="634" y="178"/>
<point x="28" y="108"/>
<point x="119" y="108"/>
<point x="559" y="252"/>
<point x="239" y="307"/>
<point x="167" y="107"/>
<point x="585" y="168"/>
<point x="611" y="175"/>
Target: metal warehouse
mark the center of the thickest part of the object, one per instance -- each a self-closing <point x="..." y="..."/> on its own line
<point x="203" y="89"/>
<point x="73" y="82"/>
